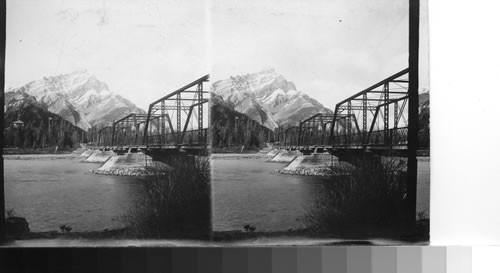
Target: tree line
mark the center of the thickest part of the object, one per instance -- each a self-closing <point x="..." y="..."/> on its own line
<point x="41" y="129"/>
<point x="231" y="128"/>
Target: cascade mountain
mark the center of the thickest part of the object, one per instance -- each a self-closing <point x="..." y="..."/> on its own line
<point x="78" y="97"/>
<point x="268" y="98"/>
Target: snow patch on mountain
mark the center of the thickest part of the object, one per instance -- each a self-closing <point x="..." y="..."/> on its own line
<point x="268" y="98"/>
<point x="80" y="98"/>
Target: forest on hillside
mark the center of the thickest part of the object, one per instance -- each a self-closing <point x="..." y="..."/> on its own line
<point x="41" y="128"/>
<point x="230" y="128"/>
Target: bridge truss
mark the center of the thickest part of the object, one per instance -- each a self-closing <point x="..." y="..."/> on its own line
<point x="375" y="118"/>
<point x="315" y="130"/>
<point x="178" y="118"/>
<point x="129" y="130"/>
<point x="104" y="136"/>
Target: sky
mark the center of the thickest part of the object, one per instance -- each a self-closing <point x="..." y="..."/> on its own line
<point x="330" y="49"/>
<point x="144" y="49"/>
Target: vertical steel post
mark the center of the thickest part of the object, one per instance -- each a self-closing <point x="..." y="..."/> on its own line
<point x="314" y="132"/>
<point x="365" y="116"/>
<point x="178" y="100"/>
<point x="321" y="122"/>
<point x="332" y="129"/>
<point x="146" y="124"/>
<point x="386" y="113"/>
<point x="349" y="125"/>
<point x="200" y="111"/>
<point x="162" y="123"/>
<point x="411" y="185"/>
<point x="136" y="130"/>
<point x="396" y="113"/>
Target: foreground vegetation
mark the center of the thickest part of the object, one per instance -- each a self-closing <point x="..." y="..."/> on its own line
<point x="173" y="203"/>
<point x="368" y="200"/>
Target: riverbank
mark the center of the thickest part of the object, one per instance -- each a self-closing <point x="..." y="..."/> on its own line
<point x="359" y="236"/>
<point x="40" y="156"/>
<point x="37" y="151"/>
<point x="230" y="156"/>
<point x="119" y="237"/>
<point x="104" y="238"/>
<point x="114" y="234"/>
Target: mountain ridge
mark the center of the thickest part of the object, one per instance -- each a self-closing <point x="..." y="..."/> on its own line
<point x="268" y="98"/>
<point x="79" y="97"/>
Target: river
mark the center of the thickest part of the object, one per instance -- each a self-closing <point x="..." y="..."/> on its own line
<point x="249" y="191"/>
<point x="51" y="192"/>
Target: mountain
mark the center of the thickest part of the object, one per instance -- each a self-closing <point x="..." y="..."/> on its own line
<point x="41" y="127"/>
<point x="78" y="97"/>
<point x="231" y="128"/>
<point x="268" y="98"/>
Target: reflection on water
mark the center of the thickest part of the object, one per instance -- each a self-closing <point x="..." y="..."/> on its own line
<point x="249" y="191"/>
<point x="49" y="193"/>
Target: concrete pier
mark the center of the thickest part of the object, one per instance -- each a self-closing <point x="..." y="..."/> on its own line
<point x="314" y="164"/>
<point x="99" y="156"/>
<point x="285" y="156"/>
<point x="272" y="153"/>
<point x="130" y="164"/>
<point x="86" y="153"/>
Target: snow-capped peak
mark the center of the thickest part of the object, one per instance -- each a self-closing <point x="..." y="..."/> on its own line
<point x="273" y="94"/>
<point x="79" y="93"/>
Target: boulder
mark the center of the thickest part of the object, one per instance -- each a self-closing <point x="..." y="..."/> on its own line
<point x="16" y="226"/>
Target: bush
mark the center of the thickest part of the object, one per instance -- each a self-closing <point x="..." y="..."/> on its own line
<point x="366" y="198"/>
<point x="173" y="202"/>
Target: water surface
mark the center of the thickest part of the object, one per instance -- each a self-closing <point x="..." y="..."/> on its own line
<point x="49" y="193"/>
<point x="249" y="191"/>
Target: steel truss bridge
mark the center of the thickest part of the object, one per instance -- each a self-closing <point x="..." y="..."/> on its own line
<point x="374" y="119"/>
<point x="175" y="123"/>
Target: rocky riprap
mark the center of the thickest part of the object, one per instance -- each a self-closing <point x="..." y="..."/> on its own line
<point x="127" y="172"/>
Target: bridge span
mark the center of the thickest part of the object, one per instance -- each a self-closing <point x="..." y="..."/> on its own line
<point x="174" y="124"/>
<point x="373" y="120"/>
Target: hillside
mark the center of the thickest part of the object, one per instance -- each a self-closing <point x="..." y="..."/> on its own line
<point x="37" y="119"/>
<point x="78" y="97"/>
<point x="231" y="128"/>
<point x="268" y="98"/>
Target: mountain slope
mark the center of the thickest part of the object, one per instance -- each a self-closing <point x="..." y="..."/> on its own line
<point x="268" y="98"/>
<point x="78" y="97"/>
<point x="41" y="127"/>
<point x="230" y="128"/>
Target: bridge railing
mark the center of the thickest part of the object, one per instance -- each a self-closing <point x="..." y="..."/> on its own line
<point x="126" y="141"/>
<point x="191" y="137"/>
<point x="318" y="137"/>
<point x="393" y="137"/>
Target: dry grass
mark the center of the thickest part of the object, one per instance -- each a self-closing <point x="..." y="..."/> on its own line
<point x="174" y="203"/>
<point x="364" y="199"/>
